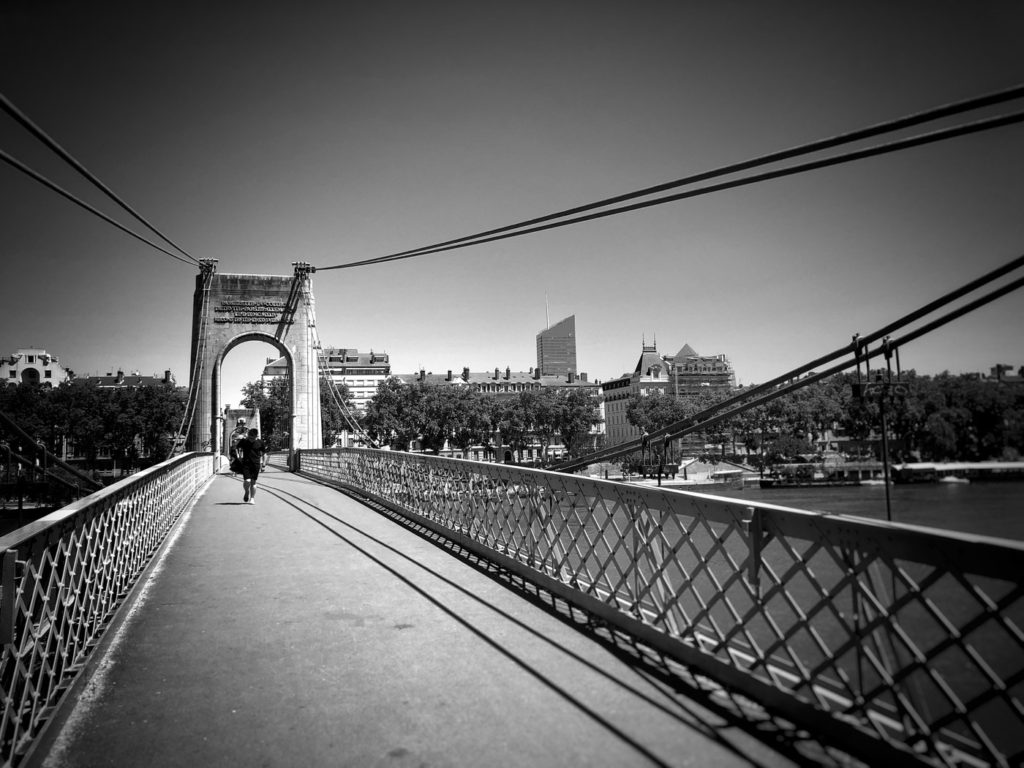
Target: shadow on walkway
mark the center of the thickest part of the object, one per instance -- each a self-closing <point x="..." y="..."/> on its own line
<point x="312" y="629"/>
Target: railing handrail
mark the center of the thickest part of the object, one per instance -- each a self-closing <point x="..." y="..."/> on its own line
<point x="18" y="537"/>
<point x="908" y="635"/>
<point x="62" y="578"/>
<point x="991" y="553"/>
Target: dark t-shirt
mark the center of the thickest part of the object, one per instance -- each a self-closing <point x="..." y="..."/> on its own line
<point x="251" y="451"/>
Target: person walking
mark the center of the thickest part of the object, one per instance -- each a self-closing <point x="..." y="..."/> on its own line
<point x="237" y="434"/>
<point x="253" y="455"/>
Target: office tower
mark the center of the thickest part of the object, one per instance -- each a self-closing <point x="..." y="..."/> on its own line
<point x="556" y="348"/>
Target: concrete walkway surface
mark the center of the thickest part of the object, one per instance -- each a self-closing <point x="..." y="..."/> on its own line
<point x="308" y="629"/>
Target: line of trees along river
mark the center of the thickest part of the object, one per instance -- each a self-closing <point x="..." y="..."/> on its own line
<point x="934" y="418"/>
<point x="135" y="426"/>
<point x="939" y="418"/>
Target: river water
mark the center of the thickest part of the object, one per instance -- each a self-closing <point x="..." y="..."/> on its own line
<point x="991" y="509"/>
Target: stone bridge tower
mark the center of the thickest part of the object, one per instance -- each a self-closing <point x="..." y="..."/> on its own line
<point x="229" y="310"/>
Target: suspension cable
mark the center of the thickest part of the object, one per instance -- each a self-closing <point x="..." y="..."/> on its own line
<point x="886" y="349"/>
<point x="325" y="373"/>
<point x="61" y="191"/>
<point x="859" y="349"/>
<point x="197" y="365"/>
<point x="40" y="134"/>
<point x="878" y="129"/>
<point x="894" y="146"/>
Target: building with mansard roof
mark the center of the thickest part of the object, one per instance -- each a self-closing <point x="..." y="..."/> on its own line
<point x="692" y="373"/>
<point x="679" y="375"/>
<point x="650" y="374"/>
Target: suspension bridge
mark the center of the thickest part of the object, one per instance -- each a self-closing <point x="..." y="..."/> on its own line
<point x="381" y="608"/>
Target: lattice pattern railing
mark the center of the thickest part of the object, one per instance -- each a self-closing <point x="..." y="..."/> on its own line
<point x="910" y="635"/>
<point x="62" y="577"/>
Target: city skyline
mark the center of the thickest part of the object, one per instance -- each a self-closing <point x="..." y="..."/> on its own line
<point x="343" y="133"/>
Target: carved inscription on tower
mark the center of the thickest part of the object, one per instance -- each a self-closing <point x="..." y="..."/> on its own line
<point x="263" y="311"/>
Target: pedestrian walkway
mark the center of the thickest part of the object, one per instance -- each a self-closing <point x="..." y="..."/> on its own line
<point x="310" y="630"/>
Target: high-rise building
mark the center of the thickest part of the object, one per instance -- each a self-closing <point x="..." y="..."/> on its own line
<point x="556" y="348"/>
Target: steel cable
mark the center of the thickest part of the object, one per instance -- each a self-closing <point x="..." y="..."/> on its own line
<point x="859" y="348"/>
<point x="325" y="373"/>
<point x="61" y="191"/>
<point x="919" y="118"/>
<point x="197" y="368"/>
<point x="894" y="146"/>
<point x="40" y="134"/>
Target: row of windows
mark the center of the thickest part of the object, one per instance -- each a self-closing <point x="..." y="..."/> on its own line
<point x="358" y="371"/>
<point x="14" y="374"/>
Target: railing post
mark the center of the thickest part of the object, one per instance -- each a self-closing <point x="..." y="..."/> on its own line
<point x="634" y="528"/>
<point x="8" y="594"/>
<point x="755" y="531"/>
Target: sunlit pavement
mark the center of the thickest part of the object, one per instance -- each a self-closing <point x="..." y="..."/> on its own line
<point x="309" y="630"/>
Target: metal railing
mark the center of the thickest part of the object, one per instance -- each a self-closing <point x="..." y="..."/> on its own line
<point x="62" y="578"/>
<point x="850" y="627"/>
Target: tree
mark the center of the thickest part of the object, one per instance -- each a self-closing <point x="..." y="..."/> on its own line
<point x="136" y="425"/>
<point x="541" y="409"/>
<point x="655" y="411"/>
<point x="79" y="416"/>
<point x="120" y="426"/>
<point x="389" y="415"/>
<point x="785" y="449"/>
<point x="473" y="421"/>
<point x="159" y="409"/>
<point x="436" y="413"/>
<point x="333" y="421"/>
<point x="513" y="421"/>
<point x="274" y="403"/>
<point x="577" y="414"/>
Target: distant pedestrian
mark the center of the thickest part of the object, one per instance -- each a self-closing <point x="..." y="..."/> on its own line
<point x="253" y="455"/>
<point x="236" y="435"/>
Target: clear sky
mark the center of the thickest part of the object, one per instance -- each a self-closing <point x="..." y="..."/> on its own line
<point x="265" y="133"/>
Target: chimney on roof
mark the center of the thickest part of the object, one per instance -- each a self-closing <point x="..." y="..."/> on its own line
<point x="497" y="374"/>
<point x="167" y="376"/>
<point x="120" y="376"/>
<point x="571" y="377"/>
<point x="465" y="374"/>
<point x="449" y="377"/>
<point x="583" y="377"/>
<point x="423" y="374"/>
<point x="508" y="373"/>
<point x="536" y="373"/>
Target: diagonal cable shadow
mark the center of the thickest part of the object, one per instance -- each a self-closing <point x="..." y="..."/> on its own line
<point x="673" y="687"/>
<point x="562" y="692"/>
